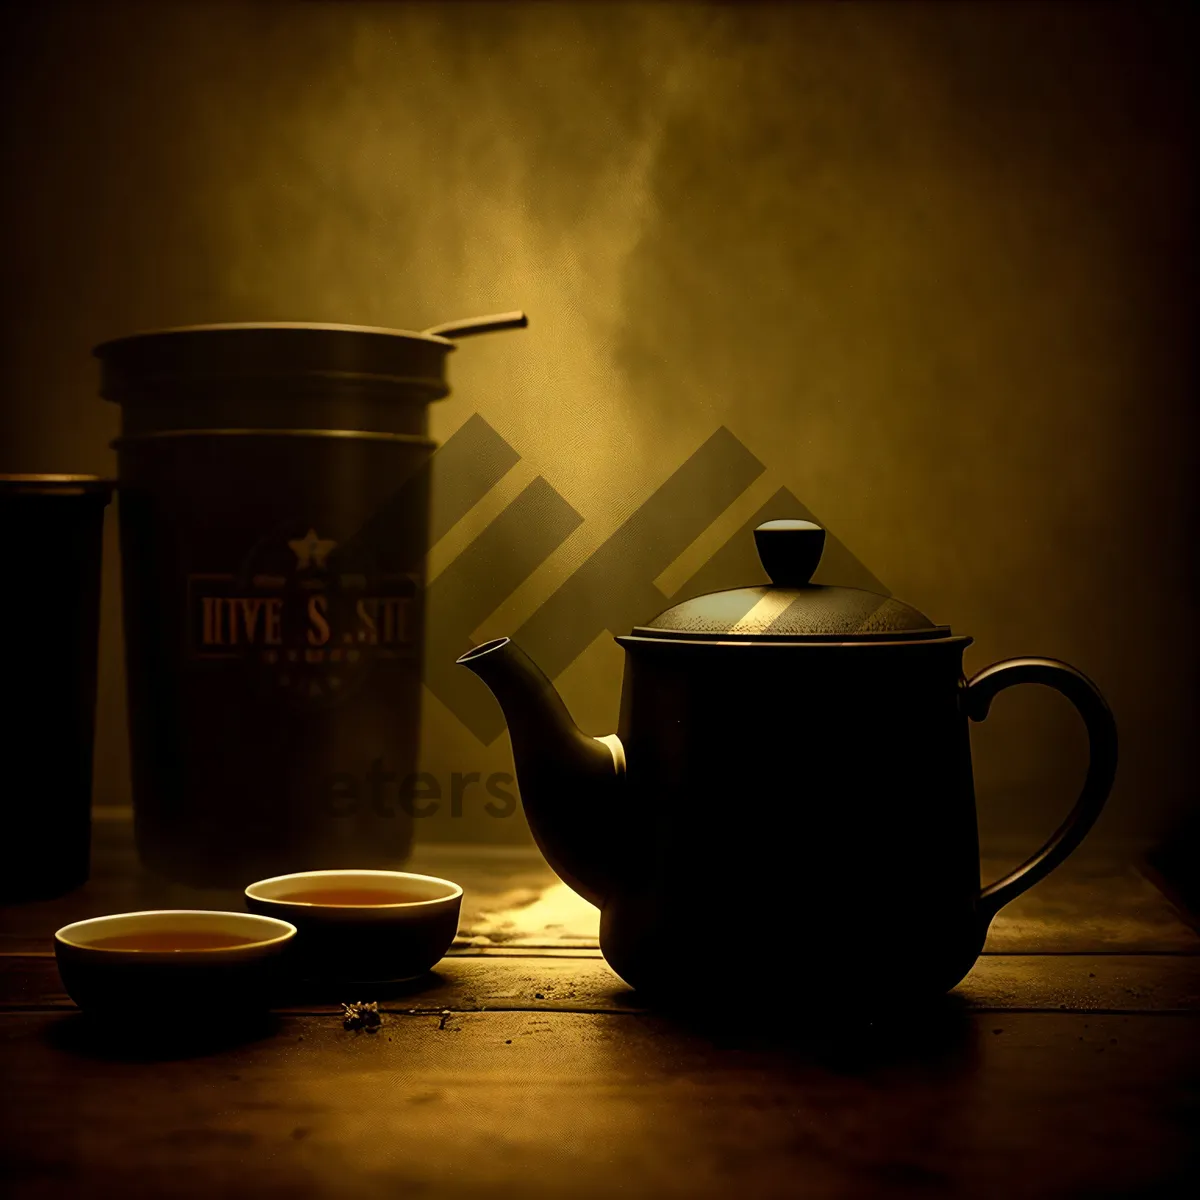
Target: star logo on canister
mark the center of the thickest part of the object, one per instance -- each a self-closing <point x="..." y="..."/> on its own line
<point x="311" y="550"/>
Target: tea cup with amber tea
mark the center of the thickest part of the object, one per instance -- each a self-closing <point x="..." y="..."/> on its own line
<point x="169" y="961"/>
<point x="360" y="925"/>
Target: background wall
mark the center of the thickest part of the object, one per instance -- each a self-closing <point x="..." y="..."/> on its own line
<point x="929" y="263"/>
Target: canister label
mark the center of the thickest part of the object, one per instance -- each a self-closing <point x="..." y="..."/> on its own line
<point x="310" y="622"/>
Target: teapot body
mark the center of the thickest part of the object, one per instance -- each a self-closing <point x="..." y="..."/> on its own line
<point x="791" y="777"/>
<point x="810" y="800"/>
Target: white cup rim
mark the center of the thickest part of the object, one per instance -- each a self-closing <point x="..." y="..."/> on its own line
<point x="451" y="891"/>
<point x="279" y="931"/>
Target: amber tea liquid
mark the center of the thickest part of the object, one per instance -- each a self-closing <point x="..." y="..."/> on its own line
<point x="173" y="939"/>
<point x="352" y="897"/>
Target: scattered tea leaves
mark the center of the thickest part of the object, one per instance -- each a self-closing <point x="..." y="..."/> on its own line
<point x="361" y="1015"/>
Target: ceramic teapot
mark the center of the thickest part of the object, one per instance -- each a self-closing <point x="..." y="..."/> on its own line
<point x="791" y="774"/>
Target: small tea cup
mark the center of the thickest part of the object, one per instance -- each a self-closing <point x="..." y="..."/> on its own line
<point x="350" y="931"/>
<point x="123" y="965"/>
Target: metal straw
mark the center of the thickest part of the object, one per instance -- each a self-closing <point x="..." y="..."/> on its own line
<point x="474" y="325"/>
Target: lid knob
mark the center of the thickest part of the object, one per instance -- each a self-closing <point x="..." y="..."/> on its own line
<point x="789" y="550"/>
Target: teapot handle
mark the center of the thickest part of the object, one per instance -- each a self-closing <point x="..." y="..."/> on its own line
<point x="1102" y="764"/>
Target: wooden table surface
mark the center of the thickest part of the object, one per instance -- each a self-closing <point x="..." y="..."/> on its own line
<point x="1066" y="1065"/>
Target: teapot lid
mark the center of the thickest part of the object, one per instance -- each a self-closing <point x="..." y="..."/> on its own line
<point x="791" y="608"/>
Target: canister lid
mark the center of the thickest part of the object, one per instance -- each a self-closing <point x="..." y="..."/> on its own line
<point x="273" y="350"/>
<point x="57" y="485"/>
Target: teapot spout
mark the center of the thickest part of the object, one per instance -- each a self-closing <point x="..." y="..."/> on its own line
<point x="570" y="783"/>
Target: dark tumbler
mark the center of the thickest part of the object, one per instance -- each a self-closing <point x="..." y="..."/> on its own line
<point x="50" y="610"/>
<point x="274" y="492"/>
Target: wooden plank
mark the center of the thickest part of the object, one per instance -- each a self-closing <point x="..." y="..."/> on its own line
<point x="999" y="983"/>
<point x="496" y="881"/>
<point x="1093" y="904"/>
<point x="543" y="1104"/>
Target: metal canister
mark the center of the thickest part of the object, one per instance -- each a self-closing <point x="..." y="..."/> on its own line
<point x="50" y="612"/>
<point x="273" y="492"/>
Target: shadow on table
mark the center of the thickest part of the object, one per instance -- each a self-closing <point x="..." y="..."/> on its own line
<point x="144" y="1035"/>
<point x="941" y="1033"/>
<point x="420" y="992"/>
<point x="153" y="1038"/>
